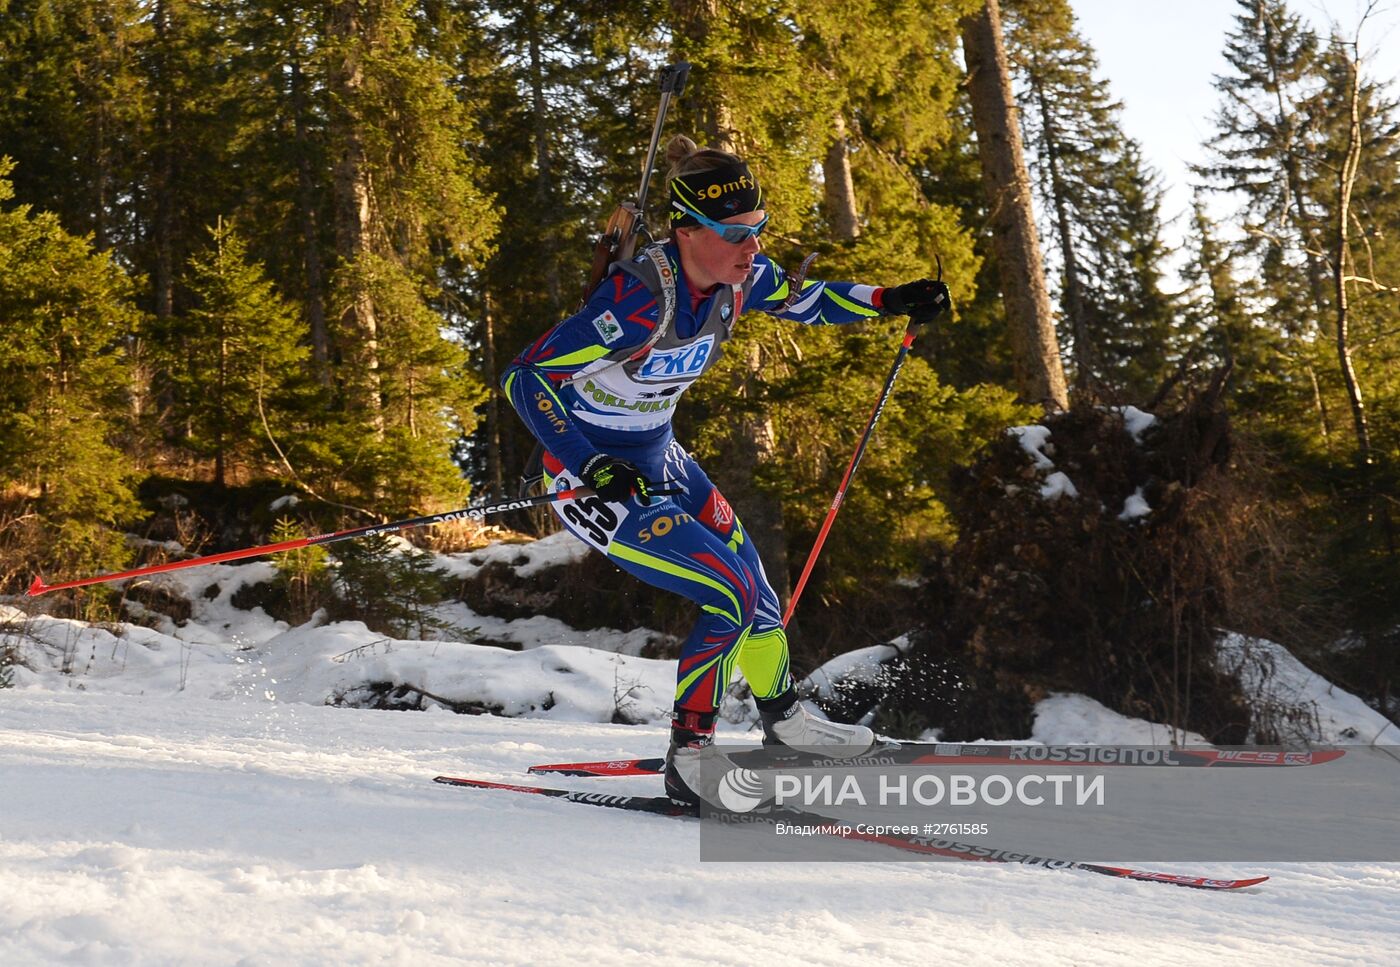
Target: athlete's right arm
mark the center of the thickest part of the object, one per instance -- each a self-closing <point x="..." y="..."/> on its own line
<point x="621" y="312"/>
<point x="532" y="394"/>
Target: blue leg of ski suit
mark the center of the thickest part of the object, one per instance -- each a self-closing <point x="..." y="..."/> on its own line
<point x="692" y="544"/>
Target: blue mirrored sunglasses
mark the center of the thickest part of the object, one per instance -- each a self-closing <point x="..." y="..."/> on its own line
<point x="733" y="234"/>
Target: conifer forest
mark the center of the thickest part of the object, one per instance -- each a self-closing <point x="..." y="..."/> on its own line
<point x="253" y="249"/>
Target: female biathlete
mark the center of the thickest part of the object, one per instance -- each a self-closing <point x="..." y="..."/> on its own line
<point x="599" y="390"/>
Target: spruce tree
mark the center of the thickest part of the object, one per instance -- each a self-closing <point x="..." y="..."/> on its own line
<point x="75" y="112"/>
<point x="69" y="318"/>
<point x="1220" y="317"/>
<point x="191" y="123"/>
<point x="1281" y="155"/>
<point x="1306" y="150"/>
<point x="565" y="94"/>
<point x="276" y="100"/>
<point x="407" y="196"/>
<point x="1100" y="203"/>
<point x="239" y="360"/>
<point x="1357" y="183"/>
<point x="1264" y="152"/>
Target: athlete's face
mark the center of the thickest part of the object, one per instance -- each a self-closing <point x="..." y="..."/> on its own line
<point x="709" y="260"/>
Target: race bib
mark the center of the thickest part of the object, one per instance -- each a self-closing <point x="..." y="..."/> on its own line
<point x="591" y="519"/>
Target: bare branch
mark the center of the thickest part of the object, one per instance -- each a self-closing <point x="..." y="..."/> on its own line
<point x="288" y="464"/>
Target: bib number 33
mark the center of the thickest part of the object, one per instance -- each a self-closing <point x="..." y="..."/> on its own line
<point x="590" y="518"/>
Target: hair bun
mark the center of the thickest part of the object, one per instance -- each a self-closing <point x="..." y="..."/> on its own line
<point x="678" y="150"/>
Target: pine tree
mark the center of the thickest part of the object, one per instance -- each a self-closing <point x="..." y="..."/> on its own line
<point x="191" y="128"/>
<point x="74" y="111"/>
<point x="1264" y="152"/>
<point x="890" y="80"/>
<point x="1306" y="149"/>
<point x="1358" y="187"/>
<point x="1359" y="184"/>
<point x="1101" y="203"/>
<point x="239" y="358"/>
<point x="407" y="197"/>
<point x="276" y="98"/>
<point x="1263" y="162"/>
<point x="69" y="317"/>
<point x="1282" y="153"/>
<point x="1220" y="317"/>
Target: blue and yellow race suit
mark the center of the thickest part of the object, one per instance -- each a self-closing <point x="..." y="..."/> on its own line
<point x="590" y="385"/>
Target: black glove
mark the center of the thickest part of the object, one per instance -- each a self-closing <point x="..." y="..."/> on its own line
<point x="923" y="299"/>
<point x="614" y="480"/>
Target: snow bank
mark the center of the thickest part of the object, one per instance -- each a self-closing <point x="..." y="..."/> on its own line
<point x="526" y="559"/>
<point x="227" y="653"/>
<point x="1065" y="719"/>
<point x="1278" y="681"/>
<point x="320" y="666"/>
<point x="547" y="669"/>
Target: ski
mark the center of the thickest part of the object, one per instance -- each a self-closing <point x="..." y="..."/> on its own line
<point x="665" y="806"/>
<point x="658" y="805"/>
<point x="1002" y="755"/>
<point x="612" y="767"/>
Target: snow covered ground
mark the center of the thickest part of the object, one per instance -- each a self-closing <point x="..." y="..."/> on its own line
<point x="183" y="795"/>
<point x="183" y="830"/>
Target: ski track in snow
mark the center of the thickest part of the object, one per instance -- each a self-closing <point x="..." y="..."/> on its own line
<point x="184" y="796"/>
<point x="185" y="830"/>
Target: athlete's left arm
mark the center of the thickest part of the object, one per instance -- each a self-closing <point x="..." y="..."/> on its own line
<point x="818" y="304"/>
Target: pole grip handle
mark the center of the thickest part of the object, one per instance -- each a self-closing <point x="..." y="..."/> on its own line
<point x="673" y="78"/>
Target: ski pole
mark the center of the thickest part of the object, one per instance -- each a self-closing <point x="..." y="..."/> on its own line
<point x="465" y="513"/>
<point x="909" y="332"/>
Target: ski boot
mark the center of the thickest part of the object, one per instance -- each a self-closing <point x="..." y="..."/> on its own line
<point x="786" y="723"/>
<point x="692" y="736"/>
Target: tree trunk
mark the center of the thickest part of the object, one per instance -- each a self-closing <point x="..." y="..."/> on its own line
<point x="1286" y="122"/>
<point x="310" y="234"/>
<point x="163" y="228"/>
<point x="354" y="215"/>
<point x="1074" y="293"/>
<point x="544" y="169"/>
<point x="1039" y="374"/>
<point x="840" y="188"/>
<point x="1341" y="260"/>
<point x="494" y="472"/>
<point x="693" y="20"/>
